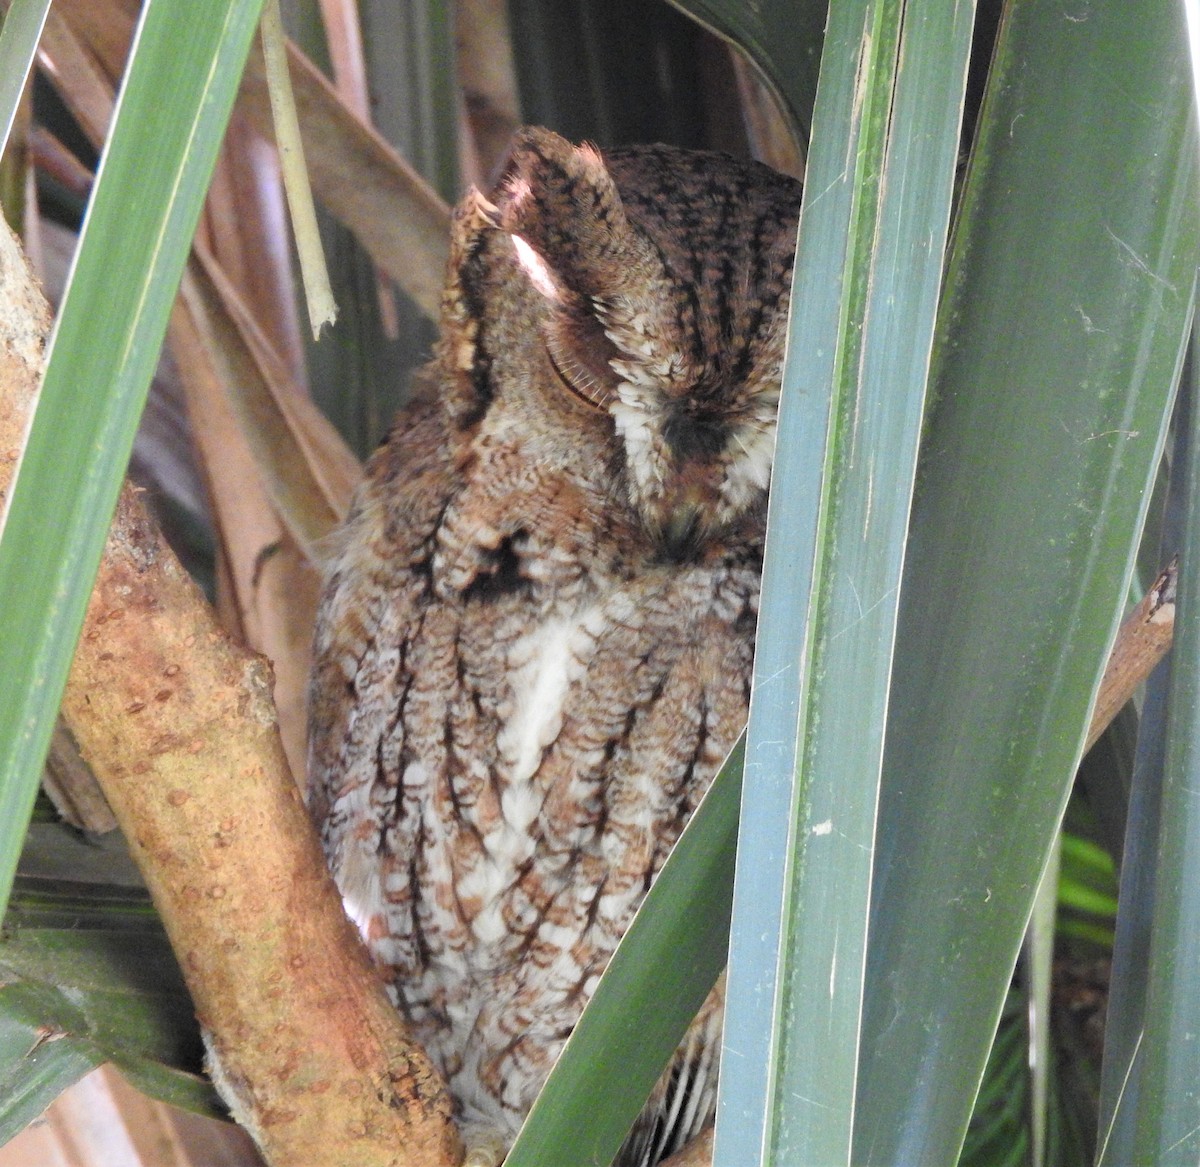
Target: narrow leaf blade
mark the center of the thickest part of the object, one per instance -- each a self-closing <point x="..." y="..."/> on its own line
<point x="1167" y="1129"/>
<point x="864" y="301"/>
<point x="22" y="28"/>
<point x="139" y="226"/>
<point x="1068" y="296"/>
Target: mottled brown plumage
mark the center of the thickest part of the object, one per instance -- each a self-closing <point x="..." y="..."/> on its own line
<point x="535" y="640"/>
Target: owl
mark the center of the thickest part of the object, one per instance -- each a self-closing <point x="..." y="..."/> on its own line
<point x="534" y="644"/>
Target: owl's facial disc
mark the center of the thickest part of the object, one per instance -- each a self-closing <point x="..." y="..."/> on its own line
<point x="692" y="471"/>
<point x="697" y="450"/>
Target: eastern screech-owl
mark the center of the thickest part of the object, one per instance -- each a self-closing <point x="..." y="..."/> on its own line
<point x="535" y="640"/>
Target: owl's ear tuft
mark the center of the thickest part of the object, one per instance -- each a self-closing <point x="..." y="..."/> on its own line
<point x="562" y="202"/>
<point x="467" y="392"/>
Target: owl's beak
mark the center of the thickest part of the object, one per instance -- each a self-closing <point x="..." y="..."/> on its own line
<point x="679" y="534"/>
<point x="684" y="526"/>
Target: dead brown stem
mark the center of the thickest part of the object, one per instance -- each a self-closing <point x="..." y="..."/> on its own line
<point x="359" y="178"/>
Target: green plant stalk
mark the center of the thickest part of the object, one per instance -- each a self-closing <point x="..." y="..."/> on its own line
<point x="1039" y="941"/>
<point x="1121" y="1072"/>
<point x="317" y="294"/>
<point x="149" y="189"/>
<point x="826" y="868"/>
<point x="1120" y="1080"/>
<point x="1167" y="1125"/>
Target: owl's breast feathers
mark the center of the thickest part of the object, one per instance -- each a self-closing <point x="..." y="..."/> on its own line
<point x="512" y="721"/>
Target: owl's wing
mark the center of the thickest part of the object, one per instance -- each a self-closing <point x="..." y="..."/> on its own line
<point x="377" y="583"/>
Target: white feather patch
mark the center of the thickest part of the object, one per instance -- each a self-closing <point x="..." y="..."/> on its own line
<point x="750" y="472"/>
<point x="536" y="269"/>
<point x="543" y="665"/>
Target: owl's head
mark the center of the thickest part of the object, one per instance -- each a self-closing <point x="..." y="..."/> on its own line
<point x="660" y="280"/>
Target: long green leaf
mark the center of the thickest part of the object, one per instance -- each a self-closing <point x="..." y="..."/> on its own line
<point x="1068" y="296"/>
<point x="1167" y="1125"/>
<point x="1039" y="962"/>
<point x="87" y="977"/>
<point x="19" y="36"/>
<point x="148" y="194"/>
<point x="1120" y="1082"/>
<point x="877" y="205"/>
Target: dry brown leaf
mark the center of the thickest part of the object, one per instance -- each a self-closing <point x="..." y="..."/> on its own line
<point x="343" y="35"/>
<point x="106" y="28"/>
<point x="79" y="77"/>
<point x="53" y="158"/>
<point x="399" y="219"/>
<point x="487" y="77"/>
<point x="308" y="470"/>
<point x="273" y="586"/>
<point x="244" y="226"/>
<point x="771" y="139"/>
<point x="266" y="584"/>
<point x="72" y="786"/>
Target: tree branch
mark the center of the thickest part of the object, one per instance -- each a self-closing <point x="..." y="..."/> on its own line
<point x="178" y="725"/>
